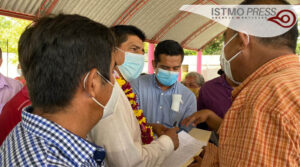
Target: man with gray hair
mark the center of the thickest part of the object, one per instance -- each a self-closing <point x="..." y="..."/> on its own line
<point x="194" y="82"/>
<point x="8" y="87"/>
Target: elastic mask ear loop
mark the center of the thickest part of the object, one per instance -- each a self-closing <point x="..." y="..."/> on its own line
<point x="105" y="78"/>
<point x="84" y="81"/>
<point x="85" y="78"/>
<point x="230" y="39"/>
<point x="96" y="101"/>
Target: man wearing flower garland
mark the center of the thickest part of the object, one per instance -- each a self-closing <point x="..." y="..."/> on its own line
<point x="155" y="91"/>
<point x="125" y="135"/>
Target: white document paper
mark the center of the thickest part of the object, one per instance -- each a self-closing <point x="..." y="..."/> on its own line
<point x="188" y="148"/>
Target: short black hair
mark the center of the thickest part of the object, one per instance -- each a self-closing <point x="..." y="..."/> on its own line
<point x="57" y="51"/>
<point x="168" y="47"/>
<point x="0" y="53"/>
<point x="122" y="31"/>
<point x="288" y="39"/>
<point x="220" y="72"/>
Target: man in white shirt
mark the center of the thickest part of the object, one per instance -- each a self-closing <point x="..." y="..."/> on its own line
<point x="120" y="133"/>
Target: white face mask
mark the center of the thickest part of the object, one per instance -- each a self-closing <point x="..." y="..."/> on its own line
<point x="226" y="63"/>
<point x="109" y="107"/>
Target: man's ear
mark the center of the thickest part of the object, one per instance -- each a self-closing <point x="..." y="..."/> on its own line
<point x="91" y="84"/>
<point x="245" y="38"/>
<point x="153" y="64"/>
<point x="1" y="61"/>
<point x="119" y="57"/>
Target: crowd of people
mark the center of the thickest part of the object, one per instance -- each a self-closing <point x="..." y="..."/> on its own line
<point x="85" y="103"/>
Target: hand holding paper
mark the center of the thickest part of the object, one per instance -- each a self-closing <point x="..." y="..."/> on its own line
<point x="188" y="148"/>
<point x="173" y="135"/>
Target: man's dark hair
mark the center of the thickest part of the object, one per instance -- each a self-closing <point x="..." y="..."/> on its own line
<point x="168" y="47"/>
<point x="220" y="72"/>
<point x="0" y="53"/>
<point x="56" y="52"/>
<point x="288" y="39"/>
<point x="122" y="31"/>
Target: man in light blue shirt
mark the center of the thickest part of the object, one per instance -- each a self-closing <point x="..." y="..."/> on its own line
<point x="154" y="92"/>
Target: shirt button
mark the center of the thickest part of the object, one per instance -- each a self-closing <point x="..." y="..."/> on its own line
<point x="157" y="122"/>
<point x="162" y="94"/>
<point x="160" y="107"/>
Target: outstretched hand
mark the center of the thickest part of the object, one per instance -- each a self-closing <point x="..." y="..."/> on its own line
<point x="198" y="117"/>
<point x="172" y="133"/>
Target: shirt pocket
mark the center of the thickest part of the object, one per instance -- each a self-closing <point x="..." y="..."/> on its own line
<point x="173" y="117"/>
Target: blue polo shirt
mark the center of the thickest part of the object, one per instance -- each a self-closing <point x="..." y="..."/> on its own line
<point x="156" y="103"/>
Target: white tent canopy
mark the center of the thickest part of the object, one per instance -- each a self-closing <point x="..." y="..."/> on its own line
<point x="159" y="19"/>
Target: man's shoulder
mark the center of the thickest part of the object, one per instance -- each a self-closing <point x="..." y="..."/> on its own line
<point x="184" y="91"/>
<point x="212" y="82"/>
<point x="142" y="80"/>
<point x="284" y="80"/>
<point x="22" y="156"/>
<point x="19" y="97"/>
<point x="14" y="84"/>
<point x="181" y="88"/>
<point x="13" y="108"/>
<point x="145" y="78"/>
<point x="280" y="88"/>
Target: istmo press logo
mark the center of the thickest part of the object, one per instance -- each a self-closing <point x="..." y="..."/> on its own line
<point x="256" y="20"/>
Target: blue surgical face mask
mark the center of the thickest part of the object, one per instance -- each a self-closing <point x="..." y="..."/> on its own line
<point x="132" y="66"/>
<point x="167" y="78"/>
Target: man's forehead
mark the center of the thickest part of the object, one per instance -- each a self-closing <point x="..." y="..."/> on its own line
<point x="133" y="40"/>
<point x="170" y="59"/>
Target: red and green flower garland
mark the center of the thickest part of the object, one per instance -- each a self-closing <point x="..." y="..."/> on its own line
<point x="146" y="131"/>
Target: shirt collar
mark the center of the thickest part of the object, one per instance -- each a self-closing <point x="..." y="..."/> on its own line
<point x="68" y="143"/>
<point x="3" y="81"/>
<point x="174" y="86"/>
<point x="224" y="82"/>
<point x="272" y="66"/>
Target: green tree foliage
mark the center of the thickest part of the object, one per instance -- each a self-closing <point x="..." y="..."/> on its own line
<point x="189" y="52"/>
<point x="10" y="31"/>
<point x="146" y="47"/>
<point x="214" y="47"/>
